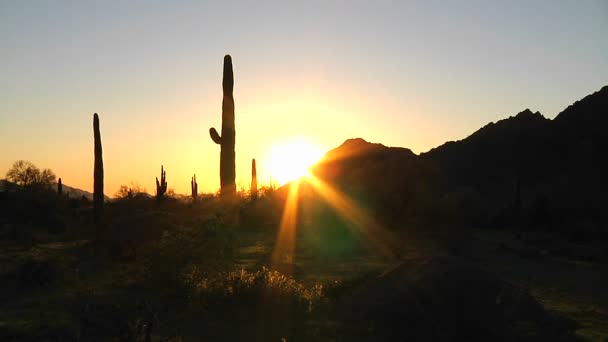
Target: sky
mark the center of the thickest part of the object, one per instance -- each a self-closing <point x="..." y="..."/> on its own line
<point x="401" y="73"/>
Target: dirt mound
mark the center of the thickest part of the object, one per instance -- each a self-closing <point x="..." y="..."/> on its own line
<point x="447" y="299"/>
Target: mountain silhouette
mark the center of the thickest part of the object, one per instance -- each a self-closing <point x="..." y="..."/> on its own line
<point x="503" y="150"/>
<point x="390" y="180"/>
<point x="528" y="146"/>
<point x="78" y="193"/>
<point x="525" y="163"/>
<point x="69" y="191"/>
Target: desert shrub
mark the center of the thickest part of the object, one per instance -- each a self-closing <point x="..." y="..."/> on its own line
<point x="122" y="206"/>
<point x="125" y="235"/>
<point x="134" y="190"/>
<point x="265" y="305"/>
<point x="263" y="212"/>
<point x="245" y="287"/>
<point x="209" y="246"/>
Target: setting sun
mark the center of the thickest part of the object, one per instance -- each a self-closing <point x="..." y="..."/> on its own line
<point x="292" y="160"/>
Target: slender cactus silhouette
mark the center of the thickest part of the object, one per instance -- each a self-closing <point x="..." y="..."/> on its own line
<point x="194" y="187"/>
<point x="59" y="186"/>
<point x="227" y="139"/>
<point x="254" y="180"/>
<point x="161" y="187"/>
<point x="98" y="171"/>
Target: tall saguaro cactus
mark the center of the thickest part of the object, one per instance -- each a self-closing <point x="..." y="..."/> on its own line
<point x="226" y="140"/>
<point x="59" y="187"/>
<point x="98" y="171"/>
<point x="161" y="187"/>
<point x="254" y="180"/>
<point x="194" y="187"/>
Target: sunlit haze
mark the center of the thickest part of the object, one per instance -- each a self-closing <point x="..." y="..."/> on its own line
<point x="395" y="72"/>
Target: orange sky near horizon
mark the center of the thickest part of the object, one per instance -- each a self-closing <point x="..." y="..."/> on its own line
<point x="178" y="138"/>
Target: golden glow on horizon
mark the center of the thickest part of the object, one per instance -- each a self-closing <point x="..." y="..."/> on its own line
<point x="291" y="161"/>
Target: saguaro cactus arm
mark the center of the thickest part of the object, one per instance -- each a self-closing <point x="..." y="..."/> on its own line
<point x="215" y="136"/>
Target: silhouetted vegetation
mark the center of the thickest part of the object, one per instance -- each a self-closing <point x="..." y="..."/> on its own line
<point x="194" y="187"/>
<point x="254" y="181"/>
<point x="161" y="187"/>
<point x="98" y="195"/>
<point x="185" y="270"/>
<point x="27" y="175"/>
<point x="226" y="140"/>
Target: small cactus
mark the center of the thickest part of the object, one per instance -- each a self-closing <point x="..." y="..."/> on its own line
<point x="226" y="140"/>
<point x="59" y="187"/>
<point x="161" y="187"/>
<point x="98" y="171"/>
<point x="194" y="187"/>
<point x="254" y="180"/>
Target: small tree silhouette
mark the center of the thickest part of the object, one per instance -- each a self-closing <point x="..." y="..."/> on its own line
<point x="27" y="175"/>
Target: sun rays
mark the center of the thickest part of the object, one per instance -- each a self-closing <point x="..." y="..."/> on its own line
<point x="384" y="243"/>
<point x="283" y="254"/>
<point x="363" y="224"/>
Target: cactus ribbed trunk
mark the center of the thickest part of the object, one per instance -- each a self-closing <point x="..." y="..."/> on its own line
<point x="59" y="186"/>
<point x="98" y="172"/>
<point x="226" y="140"/>
<point x="254" y="180"/>
<point x="161" y="187"/>
<point x="194" y="187"/>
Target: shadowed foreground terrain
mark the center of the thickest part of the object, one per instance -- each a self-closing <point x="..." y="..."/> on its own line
<point x="173" y="273"/>
<point x="500" y="236"/>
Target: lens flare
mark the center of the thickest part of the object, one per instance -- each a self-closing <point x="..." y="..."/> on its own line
<point x="283" y="254"/>
<point x="385" y="242"/>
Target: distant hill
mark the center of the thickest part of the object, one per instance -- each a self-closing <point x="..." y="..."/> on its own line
<point x="77" y="193"/>
<point x="564" y="159"/>
<point x="391" y="180"/>
<point x="525" y="160"/>
<point x="7" y="186"/>
<point x="70" y="191"/>
<point x="503" y="150"/>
